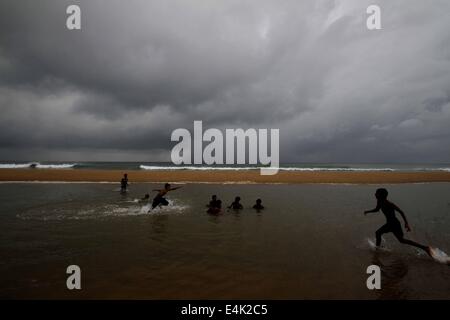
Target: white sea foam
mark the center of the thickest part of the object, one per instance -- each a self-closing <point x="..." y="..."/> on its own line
<point x="36" y="165"/>
<point x="223" y="168"/>
<point x="56" y="166"/>
<point x="144" y="167"/>
<point x="14" y="165"/>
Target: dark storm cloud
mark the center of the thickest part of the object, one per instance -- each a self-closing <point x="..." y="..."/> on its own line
<point x="137" y="70"/>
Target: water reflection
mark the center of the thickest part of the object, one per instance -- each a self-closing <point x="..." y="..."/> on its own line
<point x="214" y="218"/>
<point x="393" y="270"/>
<point x="158" y="225"/>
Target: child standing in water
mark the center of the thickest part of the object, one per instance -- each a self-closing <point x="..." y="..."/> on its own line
<point x="124" y="183"/>
<point x="392" y="224"/>
<point x="216" y="208"/>
<point x="236" y="205"/>
<point x="213" y="202"/>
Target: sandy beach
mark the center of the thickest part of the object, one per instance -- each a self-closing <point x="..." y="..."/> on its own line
<point x="250" y="176"/>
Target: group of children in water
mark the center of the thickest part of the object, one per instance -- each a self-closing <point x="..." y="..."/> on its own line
<point x="214" y="206"/>
<point x="387" y="208"/>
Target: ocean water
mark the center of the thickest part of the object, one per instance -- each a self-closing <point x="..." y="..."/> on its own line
<point x="419" y="167"/>
<point x="311" y="242"/>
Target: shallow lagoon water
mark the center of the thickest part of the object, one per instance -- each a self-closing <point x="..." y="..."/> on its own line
<point x="310" y="242"/>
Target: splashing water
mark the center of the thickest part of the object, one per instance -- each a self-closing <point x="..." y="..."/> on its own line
<point x="173" y="207"/>
<point x="440" y="256"/>
<point x="77" y="211"/>
<point x="373" y="245"/>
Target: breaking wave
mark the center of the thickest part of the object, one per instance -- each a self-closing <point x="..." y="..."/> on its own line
<point x="215" y="168"/>
<point x="36" y="165"/>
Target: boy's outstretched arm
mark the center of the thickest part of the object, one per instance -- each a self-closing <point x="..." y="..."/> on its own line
<point x="378" y="207"/>
<point x="407" y="227"/>
<point x="175" y="188"/>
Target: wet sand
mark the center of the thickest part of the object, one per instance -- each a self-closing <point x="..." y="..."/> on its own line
<point x="249" y="176"/>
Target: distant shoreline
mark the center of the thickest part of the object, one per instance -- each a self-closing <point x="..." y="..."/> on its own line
<point x="221" y="176"/>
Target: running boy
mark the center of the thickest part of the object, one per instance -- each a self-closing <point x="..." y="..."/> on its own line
<point x="392" y="223"/>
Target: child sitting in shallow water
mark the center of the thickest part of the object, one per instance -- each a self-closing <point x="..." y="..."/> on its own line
<point x="258" y="205"/>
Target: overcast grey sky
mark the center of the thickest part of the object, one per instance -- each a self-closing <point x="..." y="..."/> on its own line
<point x="139" y="69"/>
